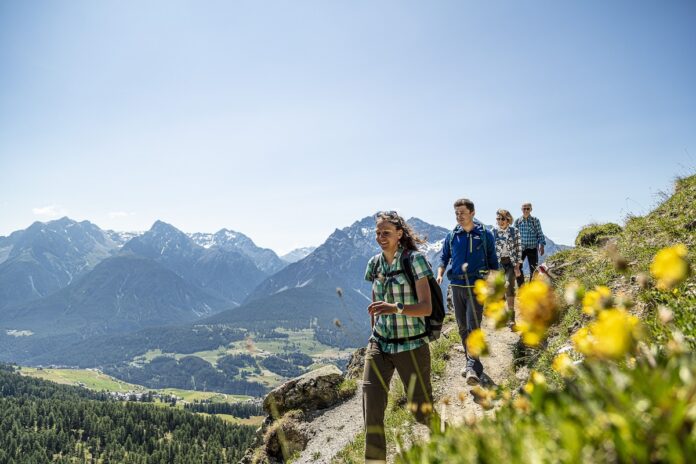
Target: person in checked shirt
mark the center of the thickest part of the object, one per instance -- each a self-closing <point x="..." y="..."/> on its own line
<point x="533" y="240"/>
<point x="399" y="338"/>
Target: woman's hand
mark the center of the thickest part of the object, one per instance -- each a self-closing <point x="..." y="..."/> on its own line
<point x="381" y="307"/>
<point x="518" y="271"/>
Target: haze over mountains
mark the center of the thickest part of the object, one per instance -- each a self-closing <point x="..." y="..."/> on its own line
<point x="64" y="282"/>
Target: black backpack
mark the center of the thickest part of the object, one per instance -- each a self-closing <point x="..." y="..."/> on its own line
<point x="433" y="323"/>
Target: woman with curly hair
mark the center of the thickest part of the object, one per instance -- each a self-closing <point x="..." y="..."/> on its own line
<point x="399" y="339"/>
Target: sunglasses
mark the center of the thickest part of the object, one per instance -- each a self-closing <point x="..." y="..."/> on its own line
<point x="501" y="219"/>
<point x="526" y="209"/>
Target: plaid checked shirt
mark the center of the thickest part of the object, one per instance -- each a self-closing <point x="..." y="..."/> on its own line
<point x="530" y="231"/>
<point x="397" y="289"/>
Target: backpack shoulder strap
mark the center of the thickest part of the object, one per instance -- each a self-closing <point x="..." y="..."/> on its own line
<point x="406" y="259"/>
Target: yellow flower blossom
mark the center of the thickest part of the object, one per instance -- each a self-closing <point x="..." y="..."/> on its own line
<point x="536" y="379"/>
<point x="476" y="343"/>
<point x="563" y="364"/>
<point x="596" y="300"/>
<point x="529" y="388"/>
<point x="611" y="336"/>
<point x="582" y="340"/>
<point x="537" y="311"/>
<point x="670" y="267"/>
<point x="497" y="311"/>
<point x="492" y="289"/>
<point x="481" y="290"/>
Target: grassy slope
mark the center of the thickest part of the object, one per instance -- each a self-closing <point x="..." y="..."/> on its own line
<point x="670" y="223"/>
<point x="556" y="418"/>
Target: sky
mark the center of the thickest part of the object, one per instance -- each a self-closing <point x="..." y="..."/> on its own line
<point x="285" y="120"/>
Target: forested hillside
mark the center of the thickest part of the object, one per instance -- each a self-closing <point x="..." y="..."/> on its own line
<point x="44" y="422"/>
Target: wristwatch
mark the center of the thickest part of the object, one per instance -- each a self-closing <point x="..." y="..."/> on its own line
<point x="399" y="308"/>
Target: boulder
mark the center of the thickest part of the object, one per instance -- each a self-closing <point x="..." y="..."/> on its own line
<point x="314" y="390"/>
<point x="354" y="369"/>
<point x="285" y="437"/>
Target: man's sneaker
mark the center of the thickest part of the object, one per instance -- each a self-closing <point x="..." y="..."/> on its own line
<point x="471" y="377"/>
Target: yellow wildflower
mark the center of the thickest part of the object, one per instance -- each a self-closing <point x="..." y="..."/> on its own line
<point x="529" y="388"/>
<point x="481" y="290"/>
<point x="596" y="300"/>
<point x="492" y="289"/>
<point x="563" y="365"/>
<point x="476" y="343"/>
<point x="537" y="311"/>
<point x="611" y="336"/>
<point x="582" y="340"/>
<point x="536" y="379"/>
<point x="670" y="267"/>
<point x="497" y="311"/>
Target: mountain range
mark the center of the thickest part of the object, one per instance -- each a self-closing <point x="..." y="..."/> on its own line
<point x="64" y="282"/>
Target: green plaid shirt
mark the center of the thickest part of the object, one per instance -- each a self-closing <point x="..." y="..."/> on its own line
<point x="393" y="290"/>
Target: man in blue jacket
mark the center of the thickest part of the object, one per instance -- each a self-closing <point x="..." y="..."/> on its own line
<point x="470" y="248"/>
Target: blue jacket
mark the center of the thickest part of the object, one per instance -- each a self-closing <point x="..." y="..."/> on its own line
<point x="468" y="247"/>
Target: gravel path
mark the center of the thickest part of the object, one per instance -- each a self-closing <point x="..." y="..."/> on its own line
<point x="497" y="366"/>
<point x="333" y="429"/>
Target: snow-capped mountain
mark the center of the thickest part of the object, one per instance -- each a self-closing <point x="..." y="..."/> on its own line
<point x="297" y="254"/>
<point x="121" y="238"/>
<point x="265" y="259"/>
<point x="223" y="271"/>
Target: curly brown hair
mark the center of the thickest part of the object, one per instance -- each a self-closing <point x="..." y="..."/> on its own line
<point x="409" y="239"/>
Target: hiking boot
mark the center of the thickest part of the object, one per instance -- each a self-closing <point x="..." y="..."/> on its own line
<point x="471" y="377"/>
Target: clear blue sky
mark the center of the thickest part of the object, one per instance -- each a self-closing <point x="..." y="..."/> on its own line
<point x="286" y="120"/>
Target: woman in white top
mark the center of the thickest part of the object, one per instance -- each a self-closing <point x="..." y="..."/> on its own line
<point x="508" y="247"/>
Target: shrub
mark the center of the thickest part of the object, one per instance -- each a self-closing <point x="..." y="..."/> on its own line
<point x="596" y="234"/>
<point x="347" y="388"/>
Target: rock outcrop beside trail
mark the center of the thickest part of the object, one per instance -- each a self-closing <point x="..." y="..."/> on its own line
<point x="314" y="390"/>
<point x="289" y="406"/>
